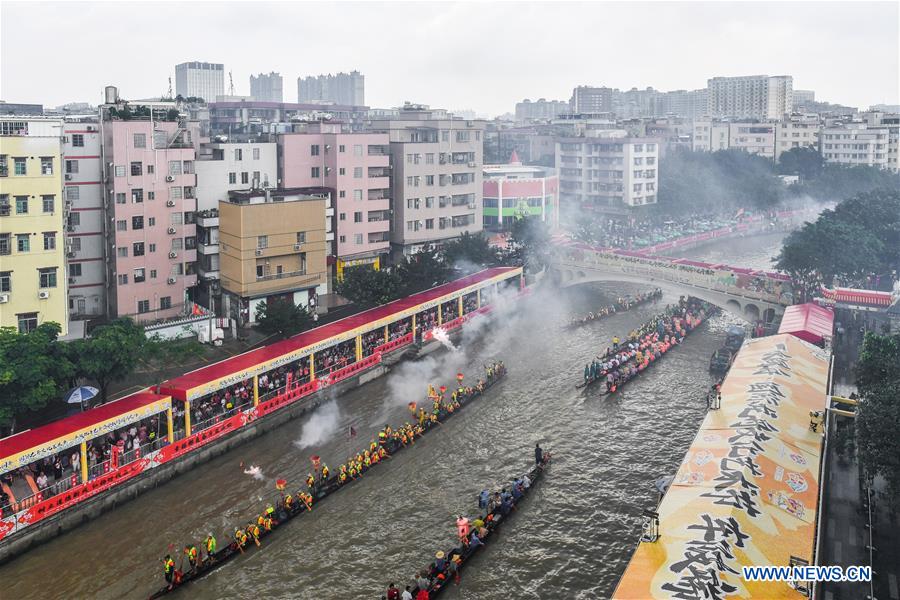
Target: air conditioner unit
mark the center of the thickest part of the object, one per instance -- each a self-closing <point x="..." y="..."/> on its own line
<point x="43" y="294"/>
<point x="171" y="230"/>
<point x="70" y="254"/>
<point x="297" y="246"/>
<point x="4" y="298"/>
<point x="173" y="255"/>
<point x="170" y="203"/>
<point x="259" y="251"/>
<point x="170" y="178"/>
<point x="71" y="280"/>
<point x="172" y="280"/>
<point x="68" y="177"/>
<point x="472" y="164"/>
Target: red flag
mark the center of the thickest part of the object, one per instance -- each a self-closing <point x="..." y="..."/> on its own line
<point x="412" y="406"/>
<point x="459" y="377"/>
<point x="315" y="461"/>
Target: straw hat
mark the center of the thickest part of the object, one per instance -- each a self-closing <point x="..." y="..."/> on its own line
<point x="440" y="554"/>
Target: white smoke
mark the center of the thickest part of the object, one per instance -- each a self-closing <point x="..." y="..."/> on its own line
<point x="443" y="337"/>
<point x="321" y="425"/>
<point x="255" y="472"/>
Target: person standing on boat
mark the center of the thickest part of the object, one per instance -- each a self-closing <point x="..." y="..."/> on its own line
<point x="210" y="546"/>
<point x="169" y="569"/>
<point x="538" y="454"/>
<point x="462" y="527"/>
<point x="192" y="555"/>
<point x="392" y="592"/>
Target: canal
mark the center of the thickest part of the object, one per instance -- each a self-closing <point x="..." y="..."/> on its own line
<point x="570" y="539"/>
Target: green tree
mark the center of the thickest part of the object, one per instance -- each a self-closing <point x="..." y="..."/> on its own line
<point x="878" y="421"/>
<point x="422" y="270"/>
<point x="529" y="242"/>
<point x="365" y="286"/>
<point x="806" y="162"/>
<point x="33" y="370"/>
<point x="111" y="353"/>
<point x="159" y="354"/>
<point x="282" y="317"/>
<point x="470" y="253"/>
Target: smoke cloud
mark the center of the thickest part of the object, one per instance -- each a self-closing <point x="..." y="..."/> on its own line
<point x="255" y="472"/>
<point x="321" y="425"/>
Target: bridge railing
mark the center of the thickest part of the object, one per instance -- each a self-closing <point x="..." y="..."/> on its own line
<point x="674" y="273"/>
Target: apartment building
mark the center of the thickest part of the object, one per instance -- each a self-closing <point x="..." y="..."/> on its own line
<point x="33" y="283"/>
<point x="753" y="138"/>
<point x="151" y="208"/>
<point x="608" y="172"/>
<point x="85" y="245"/>
<point x="587" y="99"/>
<point x="798" y="131"/>
<point x="539" y="110"/>
<point x="709" y="136"/>
<point x="891" y="122"/>
<point x="356" y="168"/>
<point x="514" y="190"/>
<point x="253" y="117"/>
<point x="750" y="97"/>
<point x="856" y="144"/>
<point x="340" y="88"/>
<point x="222" y="167"/>
<point x="267" y="87"/>
<point x="436" y="177"/>
<point x="273" y="245"/>
<point x="692" y="104"/>
<point x="200" y="80"/>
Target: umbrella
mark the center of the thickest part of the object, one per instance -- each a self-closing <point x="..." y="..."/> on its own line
<point x="81" y="394"/>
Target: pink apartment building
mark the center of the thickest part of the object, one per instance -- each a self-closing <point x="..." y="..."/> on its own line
<point x="150" y="211"/>
<point x="356" y="166"/>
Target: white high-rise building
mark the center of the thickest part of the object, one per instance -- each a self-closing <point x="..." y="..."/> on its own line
<point x="266" y="88"/>
<point x="347" y="89"/>
<point x="751" y="97"/>
<point x="200" y="80"/>
<point x="856" y="144"/>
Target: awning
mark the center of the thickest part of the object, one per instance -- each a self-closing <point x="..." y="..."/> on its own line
<point x="809" y="322"/>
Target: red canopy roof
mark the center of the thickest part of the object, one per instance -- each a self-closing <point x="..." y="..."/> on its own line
<point x="180" y="386"/>
<point x="809" y="322"/>
<point x="855" y="296"/>
<point x="36" y="437"/>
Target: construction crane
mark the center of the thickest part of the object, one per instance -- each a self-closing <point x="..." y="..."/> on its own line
<point x="170" y="89"/>
<point x="230" y="84"/>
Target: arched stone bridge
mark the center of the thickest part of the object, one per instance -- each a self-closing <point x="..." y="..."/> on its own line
<point x="752" y="295"/>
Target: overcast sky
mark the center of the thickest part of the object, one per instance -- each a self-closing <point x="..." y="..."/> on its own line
<point x="483" y="56"/>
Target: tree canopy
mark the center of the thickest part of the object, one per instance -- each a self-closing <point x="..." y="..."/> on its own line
<point x="878" y="421"/>
<point x="110" y="354"/>
<point x="423" y="270"/>
<point x="366" y="287"/>
<point x="282" y="317"/>
<point x="529" y="242"/>
<point x="470" y="252"/>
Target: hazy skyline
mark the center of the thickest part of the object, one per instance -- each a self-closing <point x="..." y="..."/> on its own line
<point x="471" y="55"/>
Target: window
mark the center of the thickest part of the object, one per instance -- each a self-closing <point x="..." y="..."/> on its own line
<point x="314" y="150"/>
<point x="121" y="225"/>
<point x="174" y="167"/>
<point x="188" y="167"/>
<point x="137" y="195"/>
<point x="46" y="165"/>
<point x="262" y="241"/>
<point x="139" y="276"/>
<point x="143" y="306"/>
<point x="342" y="194"/>
<point x="71" y="166"/>
<point x="120" y="170"/>
<point x="151" y="195"/>
<point x="638" y="174"/>
<point x="48" y="203"/>
<point x="174" y="193"/>
<point x="4" y="244"/>
<point x="429" y="223"/>
<point x="152" y="273"/>
<point x="75" y="244"/>
<point x="342" y="171"/>
<point x="445" y="136"/>
<point x="232" y="178"/>
<point x="238" y="154"/>
<point x="357" y="172"/>
<point x="358" y="239"/>
<point x="123" y="279"/>
<point x="21" y="205"/>
<point x="190" y="242"/>
<point x="27" y="322"/>
<point x="429" y="158"/>
<point x="122" y="252"/>
<point x="137" y="222"/>
<point x="151" y="169"/>
<point x="638" y="161"/>
<point x="140" y="140"/>
<point x="429" y="180"/>
<point x="477" y="136"/>
<point x="74" y="218"/>
<point x="462" y="136"/>
<point x="6" y="281"/>
<point x="120" y="197"/>
<point x="357" y="217"/>
<point x="137" y="168"/>
<point x="75" y="270"/>
<point x="256" y="177"/>
<point x="342" y="148"/>
<point x="638" y="147"/>
<point x="256" y="154"/>
<point x="342" y="217"/>
<point x="137" y="249"/>
<point x="152" y="248"/>
<point x="177" y="244"/>
<point x="409" y="159"/>
<point x="49" y="240"/>
<point x="78" y="140"/>
<point x="176" y="218"/>
<point x="73" y="193"/>
<point x="357" y="150"/>
<point x="342" y="239"/>
<point x="260" y="270"/>
<point x="357" y="195"/>
<point x="47" y="277"/>
<point x="314" y="172"/>
<point x="165" y="302"/>
<point x="301" y="237"/>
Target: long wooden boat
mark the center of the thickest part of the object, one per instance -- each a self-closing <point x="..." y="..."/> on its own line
<point x="619" y="307"/>
<point x="439" y="581"/>
<point x="322" y="491"/>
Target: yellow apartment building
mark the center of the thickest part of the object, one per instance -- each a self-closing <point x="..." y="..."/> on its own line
<point x="272" y="243"/>
<point x="33" y="284"/>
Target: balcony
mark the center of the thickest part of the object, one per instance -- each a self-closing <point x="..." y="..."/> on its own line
<point x="208" y="218"/>
<point x="379" y="151"/>
<point x="379" y="172"/>
<point x="283" y="275"/>
<point x="379" y="238"/>
<point x="207" y="249"/>
<point x="382" y="194"/>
